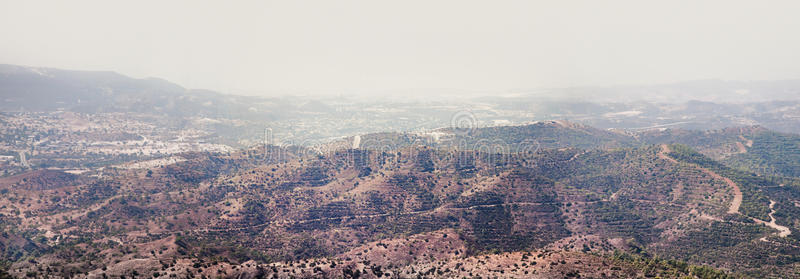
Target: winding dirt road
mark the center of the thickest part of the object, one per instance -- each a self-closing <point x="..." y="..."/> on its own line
<point x="783" y="231"/>
<point x="737" y="193"/>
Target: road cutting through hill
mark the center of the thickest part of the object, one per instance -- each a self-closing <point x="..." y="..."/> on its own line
<point x="737" y="193"/>
<point x="783" y="231"/>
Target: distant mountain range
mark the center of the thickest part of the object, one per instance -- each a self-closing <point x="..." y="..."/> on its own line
<point x="37" y="88"/>
<point x="698" y="105"/>
<point x="47" y="89"/>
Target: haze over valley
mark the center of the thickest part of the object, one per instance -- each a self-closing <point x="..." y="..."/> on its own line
<point x="356" y="139"/>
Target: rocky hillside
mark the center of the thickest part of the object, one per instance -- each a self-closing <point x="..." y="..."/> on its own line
<point x="428" y="211"/>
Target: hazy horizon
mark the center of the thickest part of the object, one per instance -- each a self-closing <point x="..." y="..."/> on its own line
<point x="317" y="47"/>
<point x="399" y="139"/>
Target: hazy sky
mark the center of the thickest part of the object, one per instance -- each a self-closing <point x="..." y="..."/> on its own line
<point x="274" y="46"/>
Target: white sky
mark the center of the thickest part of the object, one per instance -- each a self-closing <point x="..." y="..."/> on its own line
<point x="274" y="46"/>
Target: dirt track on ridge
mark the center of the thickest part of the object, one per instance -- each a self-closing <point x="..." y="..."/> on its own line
<point x="737" y="193"/>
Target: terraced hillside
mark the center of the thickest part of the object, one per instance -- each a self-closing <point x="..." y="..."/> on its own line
<point x="616" y="208"/>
